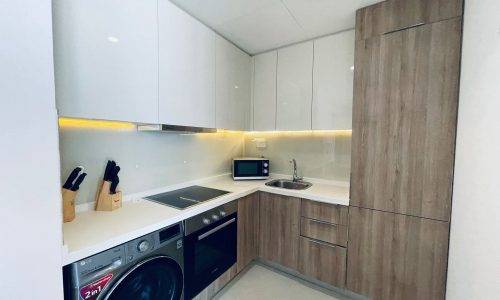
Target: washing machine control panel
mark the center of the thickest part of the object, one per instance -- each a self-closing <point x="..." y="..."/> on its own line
<point x="107" y="260"/>
<point x="141" y="246"/>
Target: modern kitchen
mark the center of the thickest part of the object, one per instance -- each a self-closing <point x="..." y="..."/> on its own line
<point x="237" y="149"/>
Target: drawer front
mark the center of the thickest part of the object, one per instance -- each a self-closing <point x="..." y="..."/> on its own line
<point x="337" y="214"/>
<point x="330" y="233"/>
<point x="324" y="262"/>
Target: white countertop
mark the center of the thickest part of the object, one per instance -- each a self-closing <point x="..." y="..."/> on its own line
<point x="95" y="231"/>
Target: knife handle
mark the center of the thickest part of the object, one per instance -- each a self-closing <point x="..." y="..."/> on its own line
<point x="110" y="166"/>
<point x="69" y="182"/>
<point x="114" y="185"/>
<point x="78" y="182"/>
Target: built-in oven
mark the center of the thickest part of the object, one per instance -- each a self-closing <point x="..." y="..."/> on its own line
<point x="210" y="247"/>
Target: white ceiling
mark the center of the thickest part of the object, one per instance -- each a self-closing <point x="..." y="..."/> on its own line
<point x="260" y="25"/>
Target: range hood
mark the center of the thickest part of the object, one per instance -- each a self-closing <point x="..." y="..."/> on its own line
<point x="174" y="128"/>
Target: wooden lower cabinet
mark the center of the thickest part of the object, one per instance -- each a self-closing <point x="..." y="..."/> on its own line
<point x="210" y="291"/>
<point x="393" y="256"/>
<point x="248" y="230"/>
<point x="325" y="212"/>
<point x="327" y="232"/>
<point x="322" y="261"/>
<point x="279" y="229"/>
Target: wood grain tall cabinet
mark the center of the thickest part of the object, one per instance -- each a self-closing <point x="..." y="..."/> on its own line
<point x="407" y="63"/>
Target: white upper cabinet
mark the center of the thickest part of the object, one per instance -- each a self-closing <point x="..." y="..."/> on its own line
<point x="333" y="82"/>
<point x="264" y="91"/>
<point x="106" y="59"/>
<point x="294" y="92"/>
<point x="233" y="88"/>
<point x="187" y="69"/>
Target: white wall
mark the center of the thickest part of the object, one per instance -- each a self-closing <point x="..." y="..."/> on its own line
<point x="30" y="208"/>
<point x="474" y="262"/>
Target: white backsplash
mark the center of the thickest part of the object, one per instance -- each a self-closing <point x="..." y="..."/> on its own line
<point x="148" y="160"/>
<point x="322" y="155"/>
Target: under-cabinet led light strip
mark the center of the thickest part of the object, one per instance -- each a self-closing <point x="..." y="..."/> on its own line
<point x="84" y="123"/>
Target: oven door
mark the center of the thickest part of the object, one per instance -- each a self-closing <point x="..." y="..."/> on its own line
<point x="209" y="252"/>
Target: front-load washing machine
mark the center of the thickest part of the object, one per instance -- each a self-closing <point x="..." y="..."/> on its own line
<point x="147" y="268"/>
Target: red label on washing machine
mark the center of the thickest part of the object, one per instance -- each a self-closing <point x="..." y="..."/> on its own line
<point x="92" y="291"/>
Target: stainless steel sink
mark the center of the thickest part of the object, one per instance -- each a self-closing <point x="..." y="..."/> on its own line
<point x="289" y="184"/>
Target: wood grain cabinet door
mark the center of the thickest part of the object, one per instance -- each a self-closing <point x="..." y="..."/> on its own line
<point x="404" y="120"/>
<point x="392" y="15"/>
<point x="392" y="256"/>
<point x="279" y="229"/>
<point x="248" y="230"/>
<point x="322" y="261"/>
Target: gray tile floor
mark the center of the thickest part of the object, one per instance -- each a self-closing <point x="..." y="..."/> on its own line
<point x="263" y="283"/>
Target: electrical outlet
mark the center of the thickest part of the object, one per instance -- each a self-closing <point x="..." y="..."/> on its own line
<point x="260" y="143"/>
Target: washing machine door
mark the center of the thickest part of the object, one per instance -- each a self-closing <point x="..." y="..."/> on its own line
<point x="156" y="278"/>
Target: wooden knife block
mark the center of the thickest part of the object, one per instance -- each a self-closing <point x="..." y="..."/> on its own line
<point x="105" y="201"/>
<point x="68" y="197"/>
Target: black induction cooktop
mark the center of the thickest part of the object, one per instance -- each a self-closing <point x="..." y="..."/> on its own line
<point x="187" y="197"/>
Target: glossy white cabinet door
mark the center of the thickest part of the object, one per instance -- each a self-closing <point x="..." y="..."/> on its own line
<point x="187" y="69"/>
<point x="106" y="59"/>
<point x="294" y="93"/>
<point x="233" y="73"/>
<point x="333" y="82"/>
<point x="264" y="91"/>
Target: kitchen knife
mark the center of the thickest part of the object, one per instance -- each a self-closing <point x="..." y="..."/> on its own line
<point x="114" y="173"/>
<point x="78" y="181"/>
<point x="109" y="168"/>
<point x="69" y="182"/>
<point x="114" y="184"/>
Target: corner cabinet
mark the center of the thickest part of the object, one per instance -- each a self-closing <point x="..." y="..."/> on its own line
<point x="307" y="86"/>
<point x="106" y="59"/>
<point x="264" y="91"/>
<point x="233" y="86"/>
<point x="294" y="87"/>
<point x="279" y="229"/>
<point x="186" y="69"/>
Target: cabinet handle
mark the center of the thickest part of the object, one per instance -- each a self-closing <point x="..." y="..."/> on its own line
<point x="212" y="231"/>
<point x="322" y="222"/>
<point x="404" y="28"/>
<point x="322" y="243"/>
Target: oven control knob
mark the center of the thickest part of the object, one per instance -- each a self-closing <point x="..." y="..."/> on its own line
<point x="265" y="171"/>
<point x="205" y="221"/>
<point x="266" y="165"/>
<point x="143" y="246"/>
<point x="222" y="213"/>
<point x="215" y="217"/>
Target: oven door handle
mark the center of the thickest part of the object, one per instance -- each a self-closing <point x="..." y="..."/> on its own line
<point x="214" y="230"/>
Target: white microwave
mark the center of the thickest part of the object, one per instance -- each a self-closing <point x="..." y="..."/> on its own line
<point x="250" y="168"/>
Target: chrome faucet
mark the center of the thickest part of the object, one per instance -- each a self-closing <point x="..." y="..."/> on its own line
<point x="295" y="175"/>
